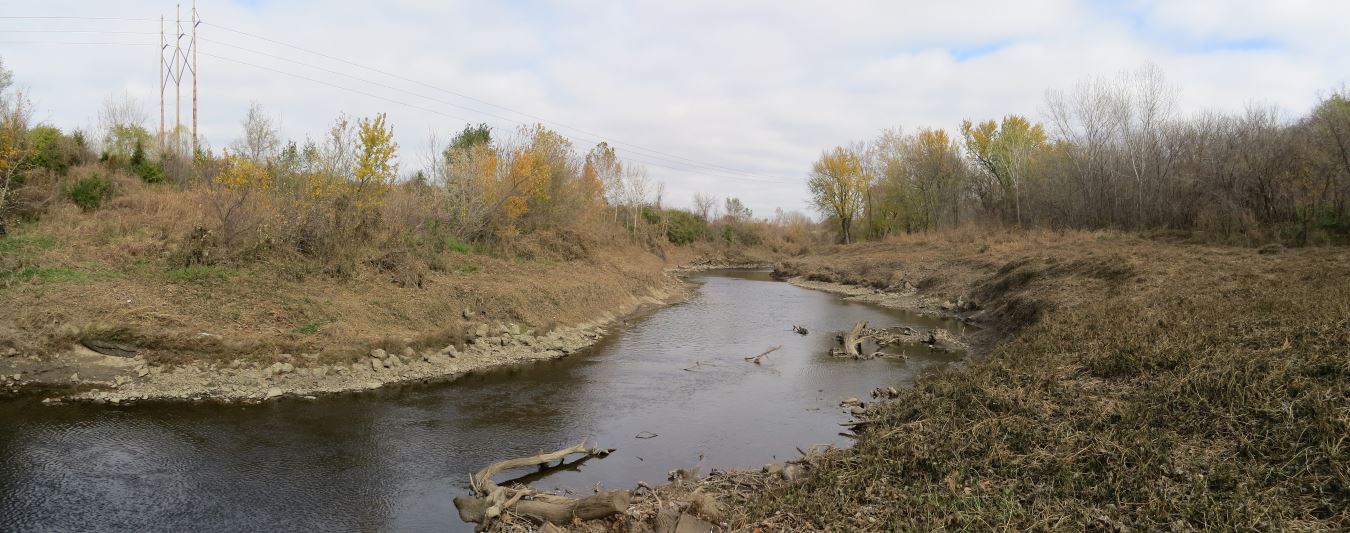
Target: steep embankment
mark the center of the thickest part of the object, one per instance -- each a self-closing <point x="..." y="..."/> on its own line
<point x="1138" y="385"/>
<point x="262" y="330"/>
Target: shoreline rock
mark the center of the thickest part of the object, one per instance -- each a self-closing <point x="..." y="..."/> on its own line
<point x="120" y="380"/>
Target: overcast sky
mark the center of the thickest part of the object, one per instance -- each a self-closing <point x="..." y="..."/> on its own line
<point x="735" y="98"/>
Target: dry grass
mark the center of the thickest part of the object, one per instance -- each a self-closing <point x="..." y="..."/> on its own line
<point x="1143" y="385"/>
<point x="119" y="272"/>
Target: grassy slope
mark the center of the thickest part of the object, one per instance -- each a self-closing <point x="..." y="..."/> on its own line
<point x="108" y="273"/>
<point x="1143" y="385"/>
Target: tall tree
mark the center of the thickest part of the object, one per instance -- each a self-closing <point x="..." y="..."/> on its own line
<point x="15" y="115"/>
<point x="838" y="186"/>
<point x="1006" y="152"/>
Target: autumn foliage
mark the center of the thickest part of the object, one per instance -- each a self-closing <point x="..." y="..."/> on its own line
<point x="1113" y="154"/>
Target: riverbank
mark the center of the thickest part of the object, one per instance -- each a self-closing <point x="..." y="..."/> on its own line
<point x="252" y="334"/>
<point x="1129" y="384"/>
<point x="1138" y="385"/>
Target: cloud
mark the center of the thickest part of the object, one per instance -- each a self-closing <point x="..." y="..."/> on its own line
<point x="732" y="98"/>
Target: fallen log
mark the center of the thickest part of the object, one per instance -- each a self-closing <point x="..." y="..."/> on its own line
<point x="756" y="358"/>
<point x="566" y="509"/>
<point x="490" y="500"/>
<point x="853" y="342"/>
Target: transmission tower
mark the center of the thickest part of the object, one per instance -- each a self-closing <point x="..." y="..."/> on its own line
<point x="174" y="63"/>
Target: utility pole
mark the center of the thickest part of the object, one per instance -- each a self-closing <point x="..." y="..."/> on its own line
<point x="172" y="68"/>
<point x="178" y="101"/>
<point x="163" y="82"/>
<point x="195" y="22"/>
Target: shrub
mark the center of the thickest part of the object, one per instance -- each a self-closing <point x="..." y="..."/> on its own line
<point x="149" y="171"/>
<point x="684" y="227"/>
<point x="52" y="150"/>
<point x="89" y="192"/>
<point x="741" y="233"/>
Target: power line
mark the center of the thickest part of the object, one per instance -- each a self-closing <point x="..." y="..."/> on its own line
<point x="522" y="113"/>
<point x="109" y="43"/>
<point x="74" y="18"/>
<point x="648" y="157"/>
<point x="641" y="158"/>
<point x="81" y="31"/>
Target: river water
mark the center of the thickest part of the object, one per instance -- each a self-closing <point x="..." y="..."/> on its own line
<point x="392" y="459"/>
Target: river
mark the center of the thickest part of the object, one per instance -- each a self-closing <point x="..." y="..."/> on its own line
<point x="393" y="458"/>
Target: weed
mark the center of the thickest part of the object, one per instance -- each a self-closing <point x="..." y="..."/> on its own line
<point x="455" y="245"/>
<point x="15" y="244"/>
<point x="310" y="328"/>
<point x="38" y="274"/>
<point x="200" y="273"/>
<point x="89" y="192"/>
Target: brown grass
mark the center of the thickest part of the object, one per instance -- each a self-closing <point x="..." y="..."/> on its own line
<point x="119" y="272"/>
<point x="1143" y="385"/>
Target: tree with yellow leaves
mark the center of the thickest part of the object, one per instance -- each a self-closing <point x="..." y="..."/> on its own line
<point x="375" y="165"/>
<point x="1006" y="152"/>
<point x="15" y="114"/>
<point x="838" y="187"/>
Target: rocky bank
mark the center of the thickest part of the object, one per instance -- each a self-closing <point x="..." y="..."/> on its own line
<point x="82" y="374"/>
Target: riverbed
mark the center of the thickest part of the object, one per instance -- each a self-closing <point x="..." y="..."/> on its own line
<point x="669" y="389"/>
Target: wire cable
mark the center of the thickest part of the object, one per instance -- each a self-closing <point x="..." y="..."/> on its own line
<point x="641" y="158"/>
<point x="461" y="95"/>
<point x="647" y="157"/>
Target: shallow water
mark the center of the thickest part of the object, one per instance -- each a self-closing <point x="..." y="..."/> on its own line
<point x="392" y="459"/>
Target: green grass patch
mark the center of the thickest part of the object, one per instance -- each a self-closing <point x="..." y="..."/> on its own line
<point x="14" y="244"/>
<point x="201" y="273"/>
<point x="464" y="269"/>
<point x="455" y="245"/>
<point x="39" y="274"/>
<point x="310" y="328"/>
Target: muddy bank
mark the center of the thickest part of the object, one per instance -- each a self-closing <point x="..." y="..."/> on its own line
<point x="83" y="374"/>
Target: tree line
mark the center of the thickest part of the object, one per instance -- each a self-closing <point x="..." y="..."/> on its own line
<point x="346" y="198"/>
<point x="1110" y="153"/>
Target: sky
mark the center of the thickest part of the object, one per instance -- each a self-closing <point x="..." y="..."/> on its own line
<point x="726" y="98"/>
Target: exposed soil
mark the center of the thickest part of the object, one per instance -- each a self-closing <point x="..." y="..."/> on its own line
<point x="254" y="334"/>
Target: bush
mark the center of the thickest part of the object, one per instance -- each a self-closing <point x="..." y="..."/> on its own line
<point x="89" y="192"/>
<point x="741" y="233"/>
<point x="685" y="227"/>
<point x="149" y="171"/>
<point x="52" y="150"/>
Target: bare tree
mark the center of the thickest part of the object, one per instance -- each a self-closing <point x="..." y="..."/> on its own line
<point x="637" y="187"/>
<point x="121" y="120"/>
<point x="260" y="142"/>
<point x="609" y="171"/>
<point x="704" y="205"/>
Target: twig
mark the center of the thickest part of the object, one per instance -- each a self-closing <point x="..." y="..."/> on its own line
<point x="757" y="358"/>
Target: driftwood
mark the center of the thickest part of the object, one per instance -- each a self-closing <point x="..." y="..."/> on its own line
<point x="853" y="342"/>
<point x="490" y="500"/>
<point x="757" y="358"/>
